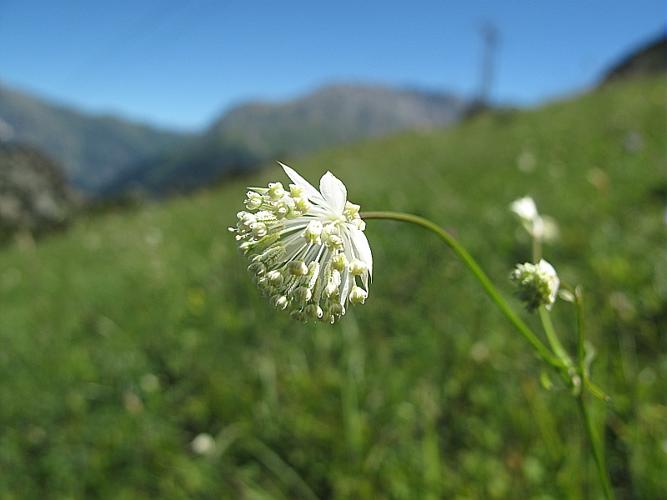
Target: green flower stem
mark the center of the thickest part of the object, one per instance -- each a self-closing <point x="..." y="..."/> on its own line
<point x="600" y="464"/>
<point x="553" y="339"/>
<point x="472" y="265"/>
<point x="596" y="444"/>
<point x="547" y="325"/>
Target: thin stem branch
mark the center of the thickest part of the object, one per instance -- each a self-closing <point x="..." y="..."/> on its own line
<point x="596" y="444"/>
<point x="597" y="449"/>
<point x="476" y="270"/>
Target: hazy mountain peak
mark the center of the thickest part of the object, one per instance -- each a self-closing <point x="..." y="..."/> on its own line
<point x="253" y="132"/>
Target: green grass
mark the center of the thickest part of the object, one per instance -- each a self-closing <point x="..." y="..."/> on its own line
<point x="132" y="333"/>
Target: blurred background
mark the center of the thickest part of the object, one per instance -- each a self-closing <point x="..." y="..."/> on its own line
<point x="139" y="361"/>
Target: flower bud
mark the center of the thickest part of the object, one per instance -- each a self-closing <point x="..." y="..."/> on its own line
<point x="339" y="262"/>
<point x="537" y="284"/>
<point x="259" y="230"/>
<point x="295" y="191"/>
<point x="280" y="302"/>
<point x="357" y="267"/>
<point x="301" y="205"/>
<point x="313" y="311"/>
<point x="276" y="190"/>
<point x="275" y="278"/>
<point x="313" y="231"/>
<point x="253" y="200"/>
<point x="358" y="295"/>
<point x="302" y="295"/>
<point x="334" y="242"/>
<point x="298" y="268"/>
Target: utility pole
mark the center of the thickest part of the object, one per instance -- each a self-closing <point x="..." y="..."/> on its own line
<point x="490" y="38"/>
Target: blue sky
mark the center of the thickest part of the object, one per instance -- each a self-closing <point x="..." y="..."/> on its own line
<point x="180" y="63"/>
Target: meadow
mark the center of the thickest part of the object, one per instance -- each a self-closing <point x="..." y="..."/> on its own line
<point x="129" y="335"/>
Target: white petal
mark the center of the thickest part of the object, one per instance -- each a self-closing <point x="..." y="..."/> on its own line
<point x="334" y="192"/>
<point x="310" y="191"/>
<point x="361" y="248"/>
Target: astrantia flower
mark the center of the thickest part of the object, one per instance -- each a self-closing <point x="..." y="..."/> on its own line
<point x="307" y="249"/>
<point x="537" y="284"/>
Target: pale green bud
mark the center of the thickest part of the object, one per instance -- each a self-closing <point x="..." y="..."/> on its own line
<point x="259" y="230"/>
<point x="253" y="200"/>
<point x="280" y="210"/>
<point x="313" y="231"/>
<point x="298" y="268"/>
<point x="295" y="191"/>
<point x="339" y="262"/>
<point x="275" y="278"/>
<point x="302" y="205"/>
<point x="358" y="267"/>
<point x="336" y="309"/>
<point x="358" y="295"/>
<point x="335" y="242"/>
<point x="351" y="210"/>
<point x="302" y="294"/>
<point x="332" y="285"/>
<point x="280" y="302"/>
<point x="313" y="311"/>
<point x="276" y="190"/>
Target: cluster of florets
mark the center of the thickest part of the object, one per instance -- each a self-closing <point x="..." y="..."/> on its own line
<point x="537" y="284"/>
<point x="304" y="252"/>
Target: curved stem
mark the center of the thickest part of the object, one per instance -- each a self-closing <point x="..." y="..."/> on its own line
<point x="472" y="265"/>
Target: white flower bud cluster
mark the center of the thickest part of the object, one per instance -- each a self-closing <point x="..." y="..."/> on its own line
<point x="537" y="284"/>
<point x="307" y="249"/>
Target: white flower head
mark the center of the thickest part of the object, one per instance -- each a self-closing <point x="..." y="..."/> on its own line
<point x="537" y="284"/>
<point x="525" y="209"/>
<point x="203" y="444"/>
<point x="538" y="226"/>
<point x="307" y="248"/>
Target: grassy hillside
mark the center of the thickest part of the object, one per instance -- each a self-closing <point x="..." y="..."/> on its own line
<point x="133" y="333"/>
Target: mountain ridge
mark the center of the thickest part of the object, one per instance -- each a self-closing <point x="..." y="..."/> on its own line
<point x="250" y="133"/>
<point x="92" y="147"/>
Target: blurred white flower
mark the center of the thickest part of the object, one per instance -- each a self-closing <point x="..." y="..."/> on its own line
<point x="537" y="284"/>
<point x="307" y="248"/>
<point x="203" y="444"/>
<point x="525" y="208"/>
<point x="538" y="226"/>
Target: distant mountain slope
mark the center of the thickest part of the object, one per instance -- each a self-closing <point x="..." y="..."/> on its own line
<point x="92" y="148"/>
<point x="648" y="59"/>
<point x="253" y="133"/>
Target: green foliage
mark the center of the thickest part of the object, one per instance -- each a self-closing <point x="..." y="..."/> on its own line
<point x="133" y="333"/>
